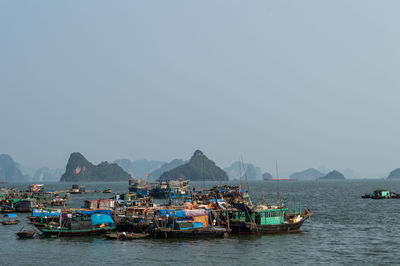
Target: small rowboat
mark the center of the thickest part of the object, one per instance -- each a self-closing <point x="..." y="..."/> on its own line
<point x="26" y="234"/>
<point x="125" y="236"/>
<point x="132" y="236"/>
<point x="112" y="236"/>
<point x="12" y="219"/>
<point x="11" y="222"/>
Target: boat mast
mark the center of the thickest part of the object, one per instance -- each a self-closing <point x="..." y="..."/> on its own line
<point x="277" y="177"/>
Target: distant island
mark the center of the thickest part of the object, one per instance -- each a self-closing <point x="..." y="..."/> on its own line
<point x="166" y="167"/>
<point x="266" y="176"/>
<point x="334" y="175"/>
<point x="395" y="174"/>
<point x="81" y="170"/>
<point x="239" y="170"/>
<point x="198" y="168"/>
<point x="308" y="174"/>
<point x="9" y="170"/>
<point x="139" y="168"/>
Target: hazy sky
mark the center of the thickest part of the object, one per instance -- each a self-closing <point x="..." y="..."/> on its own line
<point x="307" y="83"/>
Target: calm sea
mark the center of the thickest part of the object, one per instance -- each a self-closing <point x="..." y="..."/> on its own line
<point x="345" y="229"/>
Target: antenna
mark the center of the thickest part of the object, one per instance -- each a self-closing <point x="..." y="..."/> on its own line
<point x="279" y="191"/>
<point x="245" y="175"/>
<point x="202" y="173"/>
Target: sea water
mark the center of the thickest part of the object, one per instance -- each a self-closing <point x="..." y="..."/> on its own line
<point x="345" y="229"/>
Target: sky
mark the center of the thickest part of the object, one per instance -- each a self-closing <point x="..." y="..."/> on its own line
<point x="305" y="83"/>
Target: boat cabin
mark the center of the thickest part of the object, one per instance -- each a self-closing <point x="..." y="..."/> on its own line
<point x="381" y="193"/>
<point x="261" y="217"/>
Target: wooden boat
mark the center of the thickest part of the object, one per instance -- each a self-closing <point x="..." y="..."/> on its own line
<point x="10" y="222"/>
<point x="381" y="194"/>
<point x="191" y="233"/>
<point x="125" y="236"/>
<point x="132" y="236"/>
<point x="26" y="234"/>
<point x="12" y="219"/>
<point x="43" y="224"/>
<point x="112" y="236"/>
<point x="266" y="220"/>
<point x="76" y="189"/>
<point x="7" y="211"/>
<point x="107" y="190"/>
<point x="63" y="231"/>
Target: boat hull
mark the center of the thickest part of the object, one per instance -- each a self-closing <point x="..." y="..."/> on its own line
<point x="241" y="227"/>
<point x="81" y="232"/>
<point x="26" y="234"/>
<point x="191" y="233"/>
<point x="10" y="222"/>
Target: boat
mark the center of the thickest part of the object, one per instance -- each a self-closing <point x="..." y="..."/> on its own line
<point x="12" y="219"/>
<point x="170" y="189"/>
<point x="107" y="190"/>
<point x="262" y="219"/>
<point x="125" y="236"/>
<point x="112" y="236"/>
<point x="186" y="224"/>
<point x="65" y="231"/>
<point x="279" y="179"/>
<point x="132" y="236"/>
<point x="26" y="234"/>
<point x="81" y="223"/>
<point x="26" y="205"/>
<point x="381" y="194"/>
<point x="76" y="189"/>
<point x="139" y="187"/>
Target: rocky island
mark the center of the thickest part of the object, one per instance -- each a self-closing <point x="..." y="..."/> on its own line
<point x="308" y="174"/>
<point x="395" y="174"/>
<point x="334" y="175"/>
<point x="198" y="168"/>
<point x="9" y="170"/>
<point x="239" y="170"/>
<point x="166" y="167"/>
<point x="81" y="170"/>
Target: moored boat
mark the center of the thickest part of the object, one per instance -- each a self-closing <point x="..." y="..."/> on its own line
<point x="265" y="220"/>
<point x="81" y="223"/>
<point x="76" y="189"/>
<point x="381" y="194"/>
<point x="26" y="234"/>
<point x="12" y="219"/>
<point x="186" y="224"/>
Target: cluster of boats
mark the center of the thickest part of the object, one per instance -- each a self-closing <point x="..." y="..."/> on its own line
<point x="169" y="210"/>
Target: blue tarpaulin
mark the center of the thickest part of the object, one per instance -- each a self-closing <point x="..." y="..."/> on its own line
<point x="48" y="213"/>
<point x="98" y="218"/>
<point x="105" y="212"/>
<point x="172" y="213"/>
<point x="12" y="215"/>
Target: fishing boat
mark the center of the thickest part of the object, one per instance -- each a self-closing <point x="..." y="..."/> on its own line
<point x="66" y="231"/>
<point x="381" y="194"/>
<point x="81" y="223"/>
<point x="26" y="234"/>
<point x="171" y="189"/>
<point x="76" y="189"/>
<point x="139" y="187"/>
<point x="262" y="219"/>
<point x="12" y="219"/>
<point x="186" y="224"/>
<point x="107" y="190"/>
